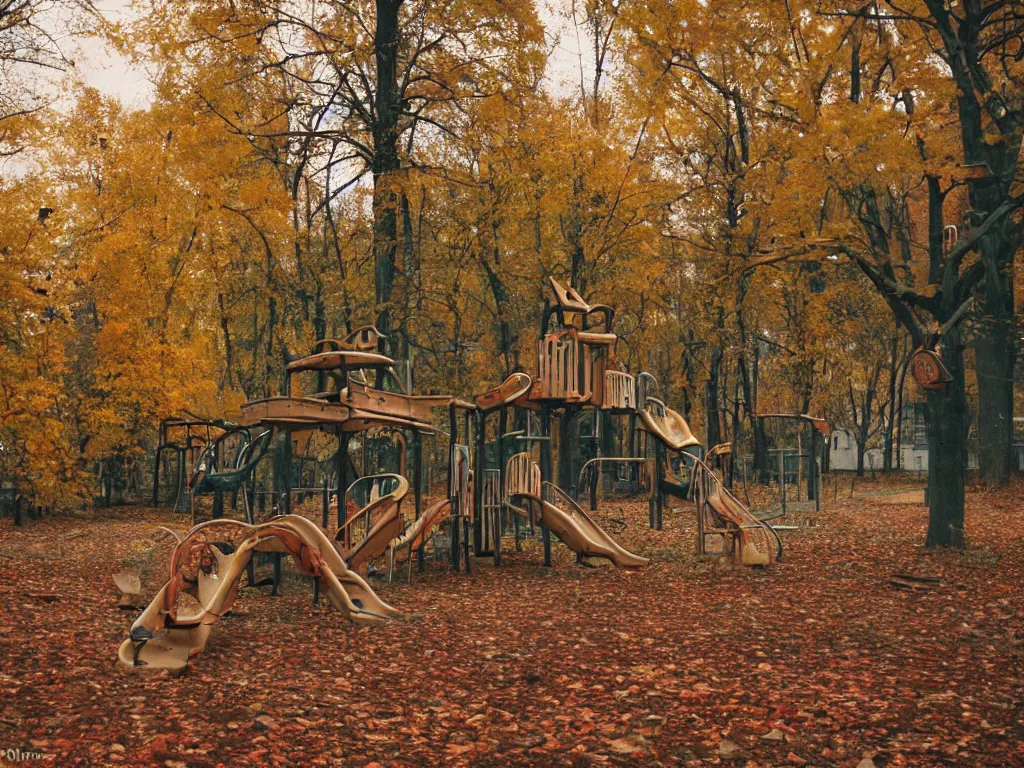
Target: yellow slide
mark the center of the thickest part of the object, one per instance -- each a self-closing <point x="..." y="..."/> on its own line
<point x="204" y="584"/>
<point x="575" y="528"/>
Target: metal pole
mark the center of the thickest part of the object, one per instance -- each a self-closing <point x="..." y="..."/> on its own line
<point x="453" y="427"/>
<point x="417" y="480"/>
<point x="499" y="523"/>
<point x="481" y="531"/>
<point x="782" y="478"/>
<point x="545" y="473"/>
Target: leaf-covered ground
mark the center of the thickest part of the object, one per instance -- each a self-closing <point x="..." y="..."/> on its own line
<point x="819" y="661"/>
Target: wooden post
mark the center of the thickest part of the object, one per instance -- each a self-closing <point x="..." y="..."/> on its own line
<point x="475" y="511"/>
<point x="545" y="472"/>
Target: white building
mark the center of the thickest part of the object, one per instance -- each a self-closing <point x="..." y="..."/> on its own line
<point x="843" y="452"/>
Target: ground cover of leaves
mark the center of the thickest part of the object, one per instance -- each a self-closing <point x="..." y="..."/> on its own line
<point x="818" y="661"/>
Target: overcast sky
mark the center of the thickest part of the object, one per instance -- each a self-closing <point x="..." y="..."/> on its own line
<point x="102" y="68"/>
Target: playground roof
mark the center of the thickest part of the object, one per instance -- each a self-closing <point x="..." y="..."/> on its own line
<point x="329" y="361"/>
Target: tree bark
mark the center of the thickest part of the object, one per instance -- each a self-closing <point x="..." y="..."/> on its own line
<point x="386" y="162"/>
<point x="712" y="399"/>
<point x="995" y="354"/>
<point x="948" y="425"/>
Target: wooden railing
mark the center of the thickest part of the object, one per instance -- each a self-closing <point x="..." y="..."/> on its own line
<point x="619" y="390"/>
<point x="560" y="368"/>
<point x="522" y="475"/>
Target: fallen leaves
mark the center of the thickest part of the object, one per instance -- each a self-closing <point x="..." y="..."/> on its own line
<point x="815" y="662"/>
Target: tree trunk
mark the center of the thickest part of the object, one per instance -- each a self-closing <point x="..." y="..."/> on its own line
<point x="948" y="424"/>
<point x="385" y="161"/>
<point x="890" y="420"/>
<point x="995" y="353"/>
<point x="712" y="399"/>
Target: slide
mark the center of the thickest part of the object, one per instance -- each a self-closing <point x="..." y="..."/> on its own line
<point x="754" y="542"/>
<point x="757" y="543"/>
<point x="671" y="429"/>
<point x="575" y="528"/>
<point x="205" y="571"/>
<point x="418" y="534"/>
<point x="385" y="529"/>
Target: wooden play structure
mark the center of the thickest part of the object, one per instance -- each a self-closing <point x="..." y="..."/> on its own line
<point x="344" y="392"/>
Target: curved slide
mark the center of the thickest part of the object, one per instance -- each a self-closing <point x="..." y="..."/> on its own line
<point x="755" y="542"/>
<point x="418" y="534"/>
<point x="382" y="532"/>
<point x="205" y="579"/>
<point x="575" y="528"/>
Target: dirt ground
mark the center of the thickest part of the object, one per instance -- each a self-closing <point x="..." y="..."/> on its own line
<point x="818" y="661"/>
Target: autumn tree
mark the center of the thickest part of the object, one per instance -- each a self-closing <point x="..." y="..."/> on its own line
<point x="865" y="161"/>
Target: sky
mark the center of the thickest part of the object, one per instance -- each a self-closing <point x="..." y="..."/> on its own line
<point x="104" y="69"/>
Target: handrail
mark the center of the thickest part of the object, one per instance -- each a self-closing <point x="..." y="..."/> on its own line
<point x="602" y="459"/>
<point x="706" y="484"/>
<point x="365" y="478"/>
<point x="658" y="403"/>
<point x="385" y="500"/>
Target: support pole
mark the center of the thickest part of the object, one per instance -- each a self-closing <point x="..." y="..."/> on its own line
<point x="343" y="462"/>
<point x="475" y="511"/>
<point x="453" y="480"/>
<point x="156" y="477"/>
<point x="545" y="473"/>
<point x="480" y="528"/>
<point x="499" y="518"/>
<point x="286" y="465"/>
<point x="417" y="482"/>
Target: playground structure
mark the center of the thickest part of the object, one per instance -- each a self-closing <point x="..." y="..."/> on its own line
<point x="206" y="568"/>
<point x="491" y="486"/>
<point x="182" y="439"/>
<point x="796" y="449"/>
